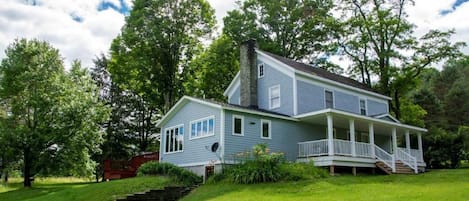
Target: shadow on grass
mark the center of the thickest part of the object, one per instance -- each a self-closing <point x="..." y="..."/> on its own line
<point x="37" y="190"/>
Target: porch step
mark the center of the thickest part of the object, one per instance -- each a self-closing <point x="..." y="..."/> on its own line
<point x="401" y="168"/>
<point x="386" y="169"/>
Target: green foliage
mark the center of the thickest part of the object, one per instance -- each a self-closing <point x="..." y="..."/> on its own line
<point x="259" y="165"/>
<point x="210" y="73"/>
<point x="294" y="29"/>
<point x="54" y="117"/>
<point x="379" y="40"/>
<point x="157" y="41"/>
<point x="177" y="173"/>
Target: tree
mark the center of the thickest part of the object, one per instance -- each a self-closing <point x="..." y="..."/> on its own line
<point x="53" y="116"/>
<point x="298" y="30"/>
<point x="210" y="73"/>
<point x="156" y="44"/>
<point x="379" y="40"/>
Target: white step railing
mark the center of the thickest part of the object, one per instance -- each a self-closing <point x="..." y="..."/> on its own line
<point x="363" y="149"/>
<point x="313" y="148"/>
<point x="406" y="158"/>
<point x="342" y="147"/>
<point x="385" y="157"/>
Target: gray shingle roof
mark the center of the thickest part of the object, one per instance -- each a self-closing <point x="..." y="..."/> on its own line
<point x="320" y="72"/>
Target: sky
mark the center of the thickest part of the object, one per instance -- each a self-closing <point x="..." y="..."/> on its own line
<point x="82" y="29"/>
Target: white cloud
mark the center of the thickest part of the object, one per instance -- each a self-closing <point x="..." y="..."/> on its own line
<point x="52" y="21"/>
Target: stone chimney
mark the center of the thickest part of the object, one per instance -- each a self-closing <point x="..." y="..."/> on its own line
<point x="248" y="73"/>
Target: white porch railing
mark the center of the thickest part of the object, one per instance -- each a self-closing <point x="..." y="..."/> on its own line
<point x="417" y="154"/>
<point x="406" y="158"/>
<point x="385" y="157"/>
<point x="363" y="149"/>
<point x="342" y="147"/>
<point x="313" y="148"/>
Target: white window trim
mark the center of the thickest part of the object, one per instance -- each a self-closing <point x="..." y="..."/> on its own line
<point x="360" y="107"/>
<point x="233" y="125"/>
<point x="202" y="119"/>
<point x="279" y="97"/>
<point x="259" y="70"/>
<point x="333" y="98"/>
<point x="270" y="128"/>
<point x="165" y="139"/>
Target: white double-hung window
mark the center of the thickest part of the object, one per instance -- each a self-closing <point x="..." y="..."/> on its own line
<point x="174" y="139"/>
<point x="203" y="127"/>
<point x="274" y="97"/>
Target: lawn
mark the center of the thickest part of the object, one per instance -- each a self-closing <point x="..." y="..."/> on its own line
<point x="75" y="190"/>
<point x="451" y="185"/>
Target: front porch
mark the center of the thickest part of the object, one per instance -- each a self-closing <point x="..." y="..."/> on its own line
<point x="353" y="151"/>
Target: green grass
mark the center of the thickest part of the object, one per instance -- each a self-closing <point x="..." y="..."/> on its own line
<point x="75" y="189"/>
<point x="451" y="185"/>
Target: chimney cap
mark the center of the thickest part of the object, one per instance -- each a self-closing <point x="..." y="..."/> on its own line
<point x="250" y="42"/>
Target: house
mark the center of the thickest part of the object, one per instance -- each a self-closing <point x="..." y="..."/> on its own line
<point x="305" y="112"/>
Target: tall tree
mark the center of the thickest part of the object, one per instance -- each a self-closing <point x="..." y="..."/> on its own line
<point x="210" y="73"/>
<point x="379" y="40"/>
<point x="295" y="29"/>
<point x="53" y="117"/>
<point x="156" y="44"/>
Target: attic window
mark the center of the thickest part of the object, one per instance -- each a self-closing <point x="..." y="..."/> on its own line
<point x="329" y="98"/>
<point x="362" y="107"/>
<point x="260" y="69"/>
<point x="274" y="97"/>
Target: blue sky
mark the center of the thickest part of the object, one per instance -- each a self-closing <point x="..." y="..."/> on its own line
<point x="82" y="29"/>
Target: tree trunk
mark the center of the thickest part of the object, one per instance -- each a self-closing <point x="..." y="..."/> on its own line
<point x="27" y="169"/>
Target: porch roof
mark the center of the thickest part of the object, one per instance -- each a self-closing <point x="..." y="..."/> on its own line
<point x="320" y="117"/>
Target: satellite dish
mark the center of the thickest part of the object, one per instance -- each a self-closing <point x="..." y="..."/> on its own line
<point x="215" y="147"/>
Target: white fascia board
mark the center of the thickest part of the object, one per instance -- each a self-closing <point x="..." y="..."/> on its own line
<point x="356" y="116"/>
<point x="260" y="113"/>
<point x="235" y="82"/>
<point x="276" y="64"/>
<point x="388" y="115"/>
<point x="184" y="100"/>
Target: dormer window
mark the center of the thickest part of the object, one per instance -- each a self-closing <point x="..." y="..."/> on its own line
<point x="260" y="70"/>
<point x="362" y="107"/>
<point x="329" y="98"/>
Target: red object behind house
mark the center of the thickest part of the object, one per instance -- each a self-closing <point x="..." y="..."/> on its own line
<point x="125" y="169"/>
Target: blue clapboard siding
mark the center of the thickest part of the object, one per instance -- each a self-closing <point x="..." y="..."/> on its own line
<point x="234" y="99"/>
<point x="376" y="108"/>
<point x="285" y="135"/>
<point x="310" y="97"/>
<point x="271" y="78"/>
<point x="196" y="150"/>
<point x="346" y="102"/>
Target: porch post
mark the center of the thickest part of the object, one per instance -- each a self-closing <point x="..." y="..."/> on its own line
<point x="352" y="136"/>
<point x="419" y="137"/>
<point x="330" y="134"/>
<point x="394" y="140"/>
<point x="371" y="135"/>
<point x="394" y="148"/>
<point x="407" y="141"/>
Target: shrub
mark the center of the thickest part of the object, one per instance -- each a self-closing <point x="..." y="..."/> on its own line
<point x="177" y="173"/>
<point x="257" y="166"/>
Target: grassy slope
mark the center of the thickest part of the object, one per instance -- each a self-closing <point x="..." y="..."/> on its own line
<point x="58" y="191"/>
<point x="436" y="185"/>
